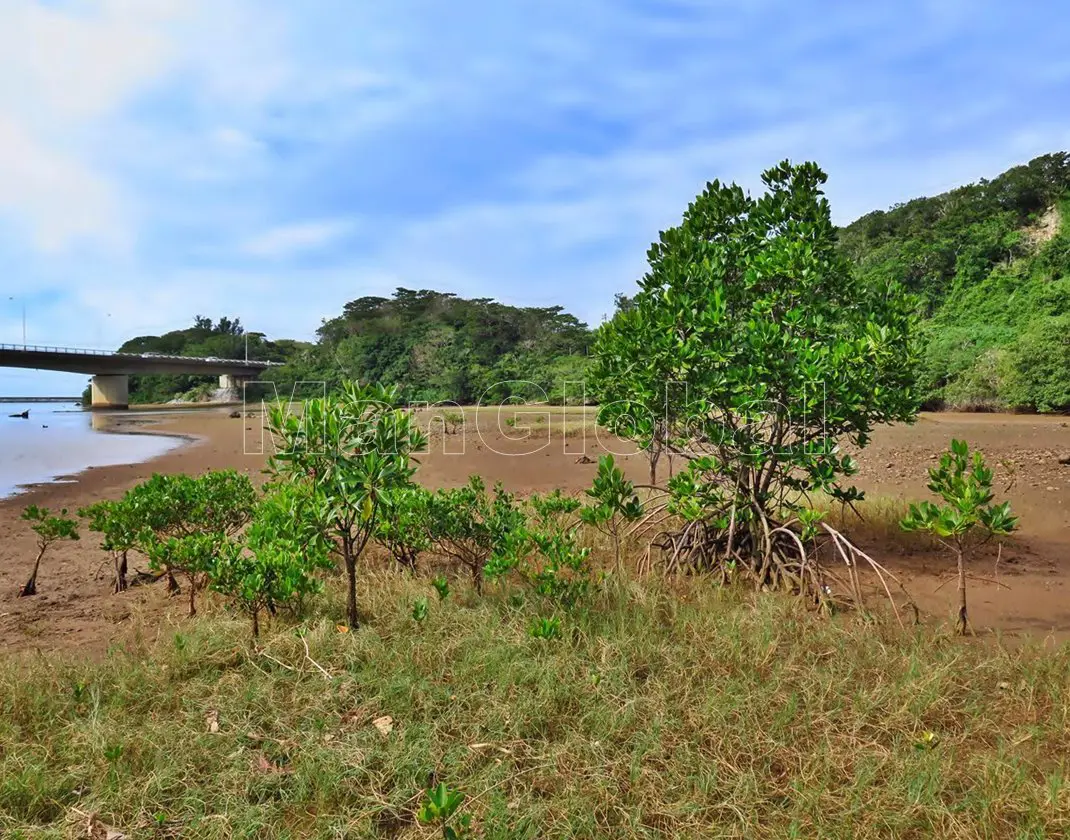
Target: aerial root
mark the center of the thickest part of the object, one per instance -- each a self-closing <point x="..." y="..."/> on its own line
<point x="775" y="557"/>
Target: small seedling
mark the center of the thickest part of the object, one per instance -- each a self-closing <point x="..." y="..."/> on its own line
<point x="927" y="741"/>
<point x="967" y="517"/>
<point x="113" y="753"/>
<point x="452" y="421"/>
<point x="439" y="806"/>
<point x="419" y="609"/>
<point x="546" y="628"/>
<point x="442" y="587"/>
<point x="615" y="502"/>
<point x="49" y="529"/>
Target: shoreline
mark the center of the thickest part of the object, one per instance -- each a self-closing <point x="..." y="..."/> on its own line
<point x="141" y="429"/>
<point x="76" y="609"/>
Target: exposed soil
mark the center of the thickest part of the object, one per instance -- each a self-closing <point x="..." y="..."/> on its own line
<point x="75" y="608"/>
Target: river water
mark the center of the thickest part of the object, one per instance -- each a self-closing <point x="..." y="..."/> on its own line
<point x="60" y="439"/>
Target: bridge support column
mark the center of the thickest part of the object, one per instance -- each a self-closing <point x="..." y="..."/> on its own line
<point x="232" y="387"/>
<point x="110" y="391"/>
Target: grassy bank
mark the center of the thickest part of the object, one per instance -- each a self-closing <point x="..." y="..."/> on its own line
<point x="694" y="712"/>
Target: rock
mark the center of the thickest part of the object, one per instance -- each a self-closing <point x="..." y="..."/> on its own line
<point x="384" y="725"/>
<point x="234" y="415"/>
<point x="1065" y="461"/>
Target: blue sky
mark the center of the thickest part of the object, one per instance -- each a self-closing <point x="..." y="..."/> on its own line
<point x="272" y="160"/>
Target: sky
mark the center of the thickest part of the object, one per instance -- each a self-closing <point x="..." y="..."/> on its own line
<point x="272" y="160"/>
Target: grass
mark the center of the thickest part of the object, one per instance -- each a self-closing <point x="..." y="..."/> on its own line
<point x="664" y="711"/>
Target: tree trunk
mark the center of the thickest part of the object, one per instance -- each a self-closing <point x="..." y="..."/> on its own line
<point x="31" y="585"/>
<point x="256" y="624"/>
<point x="616" y="545"/>
<point x="192" y="595"/>
<point x="120" y="572"/>
<point x="351" y="582"/>
<point x="962" y="623"/>
<point x="653" y="456"/>
<point x="172" y="585"/>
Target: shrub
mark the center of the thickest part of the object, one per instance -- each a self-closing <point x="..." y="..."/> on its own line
<point x="402" y="526"/>
<point x="115" y="521"/>
<point x="50" y="529"/>
<point x="276" y="562"/>
<point x="967" y="515"/>
<point x="351" y="451"/>
<point x="759" y="350"/>
<point x="470" y="526"/>
<point x="1038" y="365"/>
<point x="183" y="520"/>
<point x="615" y="502"/>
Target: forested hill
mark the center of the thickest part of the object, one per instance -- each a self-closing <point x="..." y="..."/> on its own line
<point x="991" y="264"/>
<point x="224" y="339"/>
<point x="438" y="346"/>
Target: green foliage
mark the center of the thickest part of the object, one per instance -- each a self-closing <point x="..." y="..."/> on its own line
<point x="445" y="348"/>
<point x="183" y="521"/>
<point x="965" y="485"/>
<point x="119" y="528"/>
<point x="275" y="564"/>
<point x="560" y="571"/>
<point x="402" y="528"/>
<point x="614" y="502"/>
<point x="547" y="629"/>
<point x="420" y="609"/>
<point x="987" y="279"/>
<point x="1037" y="365"/>
<point x="452" y="421"/>
<point x="477" y="529"/>
<point x="352" y="451"/>
<point x="553" y="511"/>
<point x="223" y="339"/>
<point x="753" y="349"/>
<point x="50" y="528"/>
<point x="442" y="586"/>
<point x="441" y="803"/>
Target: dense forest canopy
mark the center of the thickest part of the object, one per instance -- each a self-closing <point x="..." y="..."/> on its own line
<point x="438" y="346"/>
<point x="989" y="263"/>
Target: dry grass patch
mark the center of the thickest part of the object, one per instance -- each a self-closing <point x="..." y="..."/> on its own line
<point x="667" y="710"/>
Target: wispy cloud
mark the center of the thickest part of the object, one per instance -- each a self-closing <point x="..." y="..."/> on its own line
<point x="164" y="158"/>
<point x="289" y="240"/>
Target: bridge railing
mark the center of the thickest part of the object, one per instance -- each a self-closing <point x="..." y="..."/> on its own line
<point x="81" y="351"/>
<point x="45" y="348"/>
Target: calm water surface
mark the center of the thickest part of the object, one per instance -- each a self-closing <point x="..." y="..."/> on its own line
<point x="59" y="439"/>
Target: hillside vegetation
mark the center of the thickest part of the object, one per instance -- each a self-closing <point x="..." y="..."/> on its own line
<point x="438" y="346"/>
<point x="990" y="263"/>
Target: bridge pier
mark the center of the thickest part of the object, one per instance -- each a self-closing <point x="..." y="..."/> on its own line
<point x="232" y="387"/>
<point x="110" y="391"/>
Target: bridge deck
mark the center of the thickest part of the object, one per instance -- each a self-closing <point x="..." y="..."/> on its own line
<point x="99" y="362"/>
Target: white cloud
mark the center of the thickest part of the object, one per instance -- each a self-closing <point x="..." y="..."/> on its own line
<point x="54" y="197"/>
<point x="65" y="69"/>
<point x="288" y="240"/>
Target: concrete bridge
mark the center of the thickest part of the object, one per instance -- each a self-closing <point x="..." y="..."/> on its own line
<point x="111" y="371"/>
